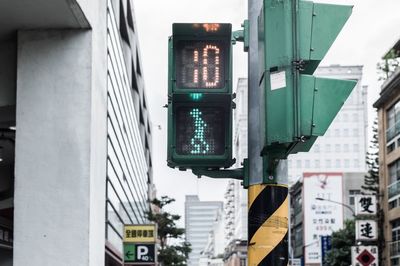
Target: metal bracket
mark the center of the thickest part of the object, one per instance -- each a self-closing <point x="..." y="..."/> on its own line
<point x="299" y="64"/>
<point x="237" y="173"/>
<point x="242" y="35"/>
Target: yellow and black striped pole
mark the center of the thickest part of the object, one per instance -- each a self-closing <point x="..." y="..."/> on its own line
<point x="268" y="225"/>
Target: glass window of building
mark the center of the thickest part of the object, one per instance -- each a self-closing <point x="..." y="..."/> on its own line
<point x="317" y="164"/>
<point x="337" y="132"/>
<point x="338" y="163"/>
<point x="328" y="163"/>
<point x="328" y="147"/>
<point x="316" y="148"/>
<point x="345" y="132"/>
<point x="355" y="132"/>
<point x="337" y="147"/>
<point x="356" y="163"/>
<point x="393" y="121"/>
<point x="298" y="163"/>
<point x="356" y="147"/>
<point x="346" y="147"/>
<point x="346" y="163"/>
<point x="355" y="117"/>
<point x="307" y="163"/>
<point x="352" y="194"/>
<point x="394" y="171"/>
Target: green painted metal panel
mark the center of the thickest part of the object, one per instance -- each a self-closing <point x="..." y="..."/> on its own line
<point x="276" y="77"/>
<point x="330" y="95"/>
<point x="328" y="21"/>
<point x="305" y="19"/>
<point x="307" y="93"/>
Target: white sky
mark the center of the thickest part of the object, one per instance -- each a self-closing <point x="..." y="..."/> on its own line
<point x="371" y="31"/>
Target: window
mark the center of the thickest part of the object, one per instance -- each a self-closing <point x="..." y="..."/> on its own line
<point x="355" y="117"/>
<point x="392" y="204"/>
<point x="328" y="147"/>
<point x="316" y="148"/>
<point x="337" y="132"/>
<point x="393" y="121"/>
<point x="355" y="132"/>
<point x="328" y="163"/>
<point x="356" y="147"/>
<point x="298" y="163"/>
<point x="337" y="147"/>
<point x="338" y="163"/>
<point x="345" y="118"/>
<point x="394" y="171"/>
<point x="346" y="147"/>
<point x="391" y="147"/>
<point x="307" y="163"/>
<point x="317" y="164"/>
<point x="346" y="163"/>
<point x="352" y="194"/>
<point x="356" y="163"/>
<point x="345" y="132"/>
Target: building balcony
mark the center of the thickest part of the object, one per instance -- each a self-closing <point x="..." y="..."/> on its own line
<point x="393" y="131"/>
<point x="394" y="189"/>
<point x="394" y="248"/>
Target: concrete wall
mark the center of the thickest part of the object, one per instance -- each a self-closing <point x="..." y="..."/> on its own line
<point x="60" y="149"/>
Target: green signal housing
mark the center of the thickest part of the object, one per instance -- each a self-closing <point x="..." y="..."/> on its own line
<point x="200" y="96"/>
<point x="294" y="36"/>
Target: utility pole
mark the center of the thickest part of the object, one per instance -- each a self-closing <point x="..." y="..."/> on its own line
<point x="268" y="206"/>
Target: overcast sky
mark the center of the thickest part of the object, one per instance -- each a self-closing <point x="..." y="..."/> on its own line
<point x="371" y="31"/>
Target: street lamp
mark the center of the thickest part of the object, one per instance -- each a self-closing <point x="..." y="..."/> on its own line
<point x="340" y="203"/>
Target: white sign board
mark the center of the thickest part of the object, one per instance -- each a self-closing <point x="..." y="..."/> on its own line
<point x="366" y="230"/>
<point x="321" y="217"/>
<point x="295" y="262"/>
<point x="364" y="256"/>
<point x="365" y="205"/>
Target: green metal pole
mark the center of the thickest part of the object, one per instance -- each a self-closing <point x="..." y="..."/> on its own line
<point x="268" y="202"/>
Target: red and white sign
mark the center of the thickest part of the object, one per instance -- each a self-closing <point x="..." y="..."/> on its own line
<point x="321" y="217"/>
<point x="364" y="255"/>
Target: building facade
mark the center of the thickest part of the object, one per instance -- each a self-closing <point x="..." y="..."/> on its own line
<point x="200" y="217"/>
<point x="235" y="194"/>
<point x="75" y="134"/>
<point x="343" y="147"/>
<point x="388" y="106"/>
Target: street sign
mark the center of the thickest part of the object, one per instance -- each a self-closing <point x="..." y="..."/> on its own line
<point x="139" y="244"/>
<point x="326" y="245"/>
<point x="140" y="233"/>
<point x="366" y="230"/>
<point x="295" y="262"/>
<point x="364" y="255"/>
<point x="365" y="205"/>
<point x="139" y="253"/>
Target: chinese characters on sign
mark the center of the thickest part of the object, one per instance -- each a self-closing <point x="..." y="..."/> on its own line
<point x="365" y="205"/>
<point x="140" y="233"/>
<point x="139" y="244"/>
<point x="321" y="217"/>
<point x="364" y="255"/>
<point x="366" y="230"/>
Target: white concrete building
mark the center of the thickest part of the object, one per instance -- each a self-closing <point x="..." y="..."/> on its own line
<point x="75" y="134"/>
<point x="343" y="147"/>
<point x="200" y="217"/>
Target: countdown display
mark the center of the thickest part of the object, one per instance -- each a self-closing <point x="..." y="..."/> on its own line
<point x="200" y="131"/>
<point x="200" y="64"/>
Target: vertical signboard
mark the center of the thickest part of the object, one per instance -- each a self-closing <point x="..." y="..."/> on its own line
<point x="366" y="230"/>
<point x="321" y="217"/>
<point x="365" y="205"/>
<point x="139" y="244"/>
<point x="364" y="256"/>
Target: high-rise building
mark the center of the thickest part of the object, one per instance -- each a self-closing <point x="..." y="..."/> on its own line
<point x="75" y="133"/>
<point x="388" y="106"/>
<point x="343" y="147"/>
<point x="200" y="217"/>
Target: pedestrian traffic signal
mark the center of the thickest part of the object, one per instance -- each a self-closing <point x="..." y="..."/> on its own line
<point x="200" y="96"/>
<point x="294" y="36"/>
